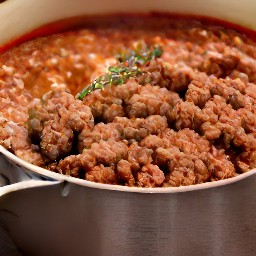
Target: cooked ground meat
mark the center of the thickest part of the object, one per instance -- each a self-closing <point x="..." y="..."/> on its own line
<point x="181" y="110"/>
<point x="53" y="122"/>
<point x="15" y="138"/>
<point x="101" y="174"/>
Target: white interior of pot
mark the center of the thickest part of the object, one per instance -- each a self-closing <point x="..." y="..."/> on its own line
<point x="21" y="16"/>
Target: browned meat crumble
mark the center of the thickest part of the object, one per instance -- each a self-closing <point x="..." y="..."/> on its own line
<point x="189" y="117"/>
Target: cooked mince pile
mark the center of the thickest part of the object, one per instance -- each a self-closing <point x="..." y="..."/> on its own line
<point x="147" y="101"/>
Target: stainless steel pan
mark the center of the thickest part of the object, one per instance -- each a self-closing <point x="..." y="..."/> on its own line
<point x="45" y="213"/>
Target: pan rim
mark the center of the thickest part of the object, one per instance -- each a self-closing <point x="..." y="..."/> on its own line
<point x="161" y="190"/>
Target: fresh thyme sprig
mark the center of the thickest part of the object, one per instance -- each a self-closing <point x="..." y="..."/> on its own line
<point x="116" y="75"/>
<point x="140" y="55"/>
<point x="130" y="63"/>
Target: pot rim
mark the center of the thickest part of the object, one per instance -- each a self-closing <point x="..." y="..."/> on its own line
<point x="166" y="190"/>
<point x="16" y="18"/>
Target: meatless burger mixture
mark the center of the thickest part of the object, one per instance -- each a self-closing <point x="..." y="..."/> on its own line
<point x="147" y="101"/>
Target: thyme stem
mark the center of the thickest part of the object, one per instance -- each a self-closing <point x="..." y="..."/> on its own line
<point x="130" y="63"/>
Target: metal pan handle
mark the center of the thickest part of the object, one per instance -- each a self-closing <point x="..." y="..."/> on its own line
<point x="14" y="177"/>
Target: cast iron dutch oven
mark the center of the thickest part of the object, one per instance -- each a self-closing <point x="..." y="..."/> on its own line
<point x="44" y="213"/>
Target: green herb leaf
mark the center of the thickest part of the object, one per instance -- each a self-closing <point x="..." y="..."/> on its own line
<point x="157" y="52"/>
<point x="129" y="66"/>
